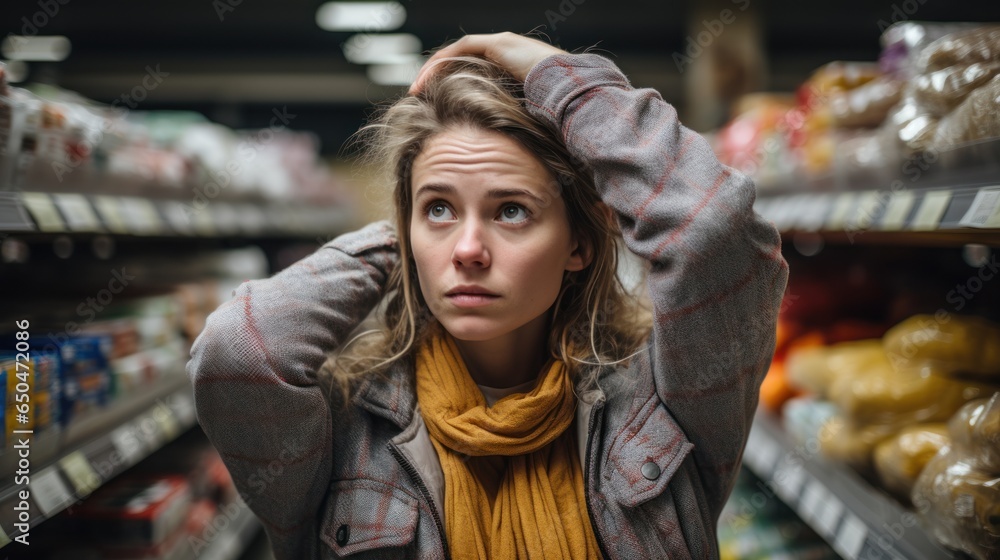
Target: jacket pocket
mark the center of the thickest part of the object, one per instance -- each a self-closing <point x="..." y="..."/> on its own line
<point x="364" y="515"/>
<point x="646" y="454"/>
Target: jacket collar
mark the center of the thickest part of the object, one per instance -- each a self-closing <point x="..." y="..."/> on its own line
<point x="392" y="396"/>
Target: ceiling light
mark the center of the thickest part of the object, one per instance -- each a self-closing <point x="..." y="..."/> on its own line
<point x="47" y="48"/>
<point x="361" y="16"/>
<point x="400" y="73"/>
<point x="381" y="49"/>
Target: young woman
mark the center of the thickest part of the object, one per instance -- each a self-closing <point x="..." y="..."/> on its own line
<point x="511" y="405"/>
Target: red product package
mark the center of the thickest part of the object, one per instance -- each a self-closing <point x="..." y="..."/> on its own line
<point x="136" y="511"/>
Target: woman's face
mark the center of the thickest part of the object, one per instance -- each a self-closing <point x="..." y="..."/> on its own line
<point x="489" y="233"/>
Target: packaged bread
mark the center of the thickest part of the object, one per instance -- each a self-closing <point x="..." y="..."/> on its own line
<point x="900" y="459"/>
<point x="977" y="118"/>
<point x="961" y="48"/>
<point x="942" y="90"/>
<point x="852" y="444"/>
<point x="957" y="495"/>
<point x="813" y="369"/>
<point x="957" y="345"/>
<point x="866" y="106"/>
<point x="902" y="396"/>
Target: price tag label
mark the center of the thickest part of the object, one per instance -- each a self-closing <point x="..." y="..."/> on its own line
<point x="111" y="213"/>
<point x="812" y="499"/>
<point x="13" y="215"/>
<point x="830" y="512"/>
<point x="985" y="209"/>
<point x="149" y="431"/>
<point x="179" y="217"/>
<point x="127" y="444"/>
<point x="869" y="204"/>
<point x="898" y="208"/>
<point x="768" y="453"/>
<point x="141" y="216"/>
<point x="79" y="472"/>
<point x="168" y="423"/>
<point x="43" y="211"/>
<point x="850" y="537"/>
<point x="50" y="492"/>
<point x="184" y="410"/>
<point x="842" y="206"/>
<point x="814" y="213"/>
<point x="789" y="480"/>
<point x="931" y="210"/>
<point x="79" y="214"/>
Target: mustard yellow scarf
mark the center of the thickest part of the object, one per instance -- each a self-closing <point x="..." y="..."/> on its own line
<point x="513" y="482"/>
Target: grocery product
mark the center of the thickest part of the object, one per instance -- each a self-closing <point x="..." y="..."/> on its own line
<point x="954" y="345"/>
<point x="814" y="369"/>
<point x="957" y="495"/>
<point x="976" y="118"/>
<point x="901" y="458"/>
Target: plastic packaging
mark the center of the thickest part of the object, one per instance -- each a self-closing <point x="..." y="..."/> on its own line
<point x="957" y="496"/>
<point x="960" y="345"/>
<point x="900" y="459"/>
<point x="814" y="369"/>
<point x="977" y="118"/>
<point x="867" y="105"/>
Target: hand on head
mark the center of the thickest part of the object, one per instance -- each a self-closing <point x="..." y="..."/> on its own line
<point x="515" y="53"/>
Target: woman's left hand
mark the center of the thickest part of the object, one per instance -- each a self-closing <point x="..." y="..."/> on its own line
<point x="515" y="53"/>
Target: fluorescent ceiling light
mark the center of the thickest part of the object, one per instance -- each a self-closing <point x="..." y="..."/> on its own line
<point x="397" y="73"/>
<point x="361" y="16"/>
<point x="45" y="47"/>
<point x="381" y="49"/>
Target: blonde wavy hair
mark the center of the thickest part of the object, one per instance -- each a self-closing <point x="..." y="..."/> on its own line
<point x="596" y="322"/>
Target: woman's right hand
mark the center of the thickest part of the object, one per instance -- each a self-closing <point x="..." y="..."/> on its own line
<point x="515" y="53"/>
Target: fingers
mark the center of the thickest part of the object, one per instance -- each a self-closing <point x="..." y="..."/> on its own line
<point x="476" y="45"/>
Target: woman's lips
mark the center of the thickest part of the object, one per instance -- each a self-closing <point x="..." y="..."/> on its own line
<point x="463" y="299"/>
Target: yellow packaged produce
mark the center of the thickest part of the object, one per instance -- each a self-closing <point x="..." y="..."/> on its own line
<point x="958" y="345"/>
<point x="814" y="369"/>
<point x="957" y="495"/>
<point x="851" y="443"/>
<point x="901" y="397"/>
<point x="900" y="459"/>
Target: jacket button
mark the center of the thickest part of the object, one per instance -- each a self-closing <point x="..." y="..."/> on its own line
<point x="343" y="533"/>
<point x="651" y="470"/>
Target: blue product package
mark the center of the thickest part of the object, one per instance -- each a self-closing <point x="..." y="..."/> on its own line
<point x="86" y="377"/>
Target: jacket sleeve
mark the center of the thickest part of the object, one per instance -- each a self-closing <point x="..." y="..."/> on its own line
<point x="254" y="373"/>
<point x="716" y="270"/>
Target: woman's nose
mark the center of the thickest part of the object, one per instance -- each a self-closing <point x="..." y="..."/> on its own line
<point x="470" y="247"/>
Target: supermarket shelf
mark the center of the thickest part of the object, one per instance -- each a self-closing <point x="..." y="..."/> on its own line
<point x="119" y="437"/>
<point x="857" y="520"/>
<point x="231" y="542"/>
<point x="944" y="215"/>
<point x="151" y="217"/>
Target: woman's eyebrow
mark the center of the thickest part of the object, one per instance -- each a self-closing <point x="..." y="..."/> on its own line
<point x="492" y="193"/>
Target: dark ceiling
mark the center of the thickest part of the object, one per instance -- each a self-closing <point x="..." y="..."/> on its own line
<point x="236" y="60"/>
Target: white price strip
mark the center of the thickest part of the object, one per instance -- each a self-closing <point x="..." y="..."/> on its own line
<point x="789" y="481"/>
<point x="842" y="207"/>
<point x="111" y="213"/>
<point x="168" y="423"/>
<point x="814" y="213"/>
<point x="202" y="221"/>
<point x="179" y="216"/>
<point x="149" y="431"/>
<point x="985" y="209"/>
<point x="830" y="512"/>
<point x="79" y="214"/>
<point x="50" y="492"/>
<point x="13" y="215"/>
<point x="225" y="217"/>
<point x="184" y="410"/>
<point x="851" y="537"/>
<point x="79" y="471"/>
<point x="127" y="444"/>
<point x="900" y="204"/>
<point x="868" y="206"/>
<point x="141" y="216"/>
<point x="931" y="210"/>
<point x="768" y="453"/>
<point x="812" y="500"/>
<point x="44" y="211"/>
<point x="252" y="219"/>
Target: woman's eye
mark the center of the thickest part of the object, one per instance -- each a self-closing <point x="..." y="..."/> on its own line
<point x="438" y="213"/>
<point x="513" y="213"/>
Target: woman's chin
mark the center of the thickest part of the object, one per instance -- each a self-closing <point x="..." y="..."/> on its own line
<point x="473" y="329"/>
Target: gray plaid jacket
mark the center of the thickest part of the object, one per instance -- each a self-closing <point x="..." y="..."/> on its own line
<point x="661" y="440"/>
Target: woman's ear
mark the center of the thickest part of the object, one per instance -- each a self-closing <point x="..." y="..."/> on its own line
<point x="582" y="254"/>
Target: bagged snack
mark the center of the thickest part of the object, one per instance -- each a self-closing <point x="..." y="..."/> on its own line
<point x="962" y="345"/>
<point x="900" y="459"/>
<point x="961" y="48"/>
<point x="867" y="105"/>
<point x="957" y="496"/>
<point x="977" y="118"/>
<point x="853" y="444"/>
<point x="813" y="369"/>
